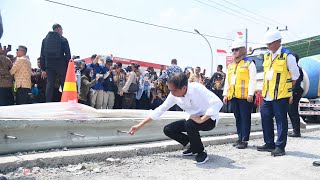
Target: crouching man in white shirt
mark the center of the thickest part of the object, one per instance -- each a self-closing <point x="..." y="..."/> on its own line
<point x="202" y="107"/>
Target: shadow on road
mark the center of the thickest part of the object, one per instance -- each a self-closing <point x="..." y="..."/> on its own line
<point x="23" y="178"/>
<point x="311" y="137"/>
<point x="216" y="161"/>
<point x="302" y="154"/>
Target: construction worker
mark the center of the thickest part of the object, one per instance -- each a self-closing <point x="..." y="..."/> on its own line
<point x="280" y="74"/>
<point x="239" y="90"/>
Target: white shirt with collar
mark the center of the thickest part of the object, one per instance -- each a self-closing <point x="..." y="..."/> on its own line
<point x="291" y="65"/>
<point x="198" y="100"/>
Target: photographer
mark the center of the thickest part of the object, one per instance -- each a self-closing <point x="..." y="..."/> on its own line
<point x="157" y="98"/>
<point x="86" y="84"/>
<point x="119" y="81"/>
<point x="129" y="94"/>
<point x="96" y="96"/>
<point x="6" y="80"/>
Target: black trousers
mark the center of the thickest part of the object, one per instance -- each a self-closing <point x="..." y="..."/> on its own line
<point x="22" y="96"/>
<point x="175" y="131"/>
<point x="52" y="77"/>
<point x="143" y="102"/>
<point x="6" y="96"/>
<point x="242" y="112"/>
<point x="294" y="113"/>
<point x="129" y="101"/>
<point x="117" y="101"/>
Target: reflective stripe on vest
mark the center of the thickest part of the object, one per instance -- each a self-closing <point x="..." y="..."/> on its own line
<point x="281" y="84"/>
<point x="240" y="88"/>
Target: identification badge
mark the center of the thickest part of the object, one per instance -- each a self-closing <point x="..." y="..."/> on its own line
<point x="270" y="74"/>
<point x="233" y="79"/>
<point x="110" y="79"/>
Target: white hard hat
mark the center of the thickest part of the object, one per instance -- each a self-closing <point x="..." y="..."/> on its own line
<point x="271" y="36"/>
<point x="238" y="43"/>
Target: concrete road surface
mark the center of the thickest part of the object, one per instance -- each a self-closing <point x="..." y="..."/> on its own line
<point x="226" y="162"/>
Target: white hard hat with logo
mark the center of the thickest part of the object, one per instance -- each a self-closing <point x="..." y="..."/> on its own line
<point x="271" y="36"/>
<point x="237" y="43"/>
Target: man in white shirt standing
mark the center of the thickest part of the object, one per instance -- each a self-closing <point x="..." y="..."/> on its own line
<point x="280" y="74"/>
<point x="202" y="107"/>
<point x="239" y="90"/>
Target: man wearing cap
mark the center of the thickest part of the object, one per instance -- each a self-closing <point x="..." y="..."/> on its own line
<point x="239" y="90"/>
<point x="21" y="70"/>
<point x="280" y="74"/>
<point x="55" y="55"/>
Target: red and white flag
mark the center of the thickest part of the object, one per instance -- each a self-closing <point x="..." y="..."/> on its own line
<point x="221" y="51"/>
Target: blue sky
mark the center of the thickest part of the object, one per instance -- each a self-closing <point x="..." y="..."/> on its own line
<point x="28" y="22"/>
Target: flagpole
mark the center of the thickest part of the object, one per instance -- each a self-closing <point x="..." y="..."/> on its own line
<point x="210" y="50"/>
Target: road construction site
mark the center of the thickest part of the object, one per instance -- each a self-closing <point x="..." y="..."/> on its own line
<point x="163" y="160"/>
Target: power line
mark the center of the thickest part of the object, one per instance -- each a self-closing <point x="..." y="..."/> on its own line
<point x="228" y="12"/>
<point x="136" y="21"/>
<point x="239" y="12"/>
<point x="252" y="12"/>
<point x="141" y="22"/>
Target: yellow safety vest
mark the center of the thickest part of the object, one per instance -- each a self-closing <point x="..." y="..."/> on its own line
<point x="240" y="71"/>
<point x="281" y="84"/>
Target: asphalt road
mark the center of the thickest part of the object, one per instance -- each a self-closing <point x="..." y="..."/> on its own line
<point x="226" y="162"/>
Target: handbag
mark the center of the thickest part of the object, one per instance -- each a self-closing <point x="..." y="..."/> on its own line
<point x="133" y="88"/>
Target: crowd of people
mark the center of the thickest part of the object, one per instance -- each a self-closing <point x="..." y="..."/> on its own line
<point x="101" y="84"/>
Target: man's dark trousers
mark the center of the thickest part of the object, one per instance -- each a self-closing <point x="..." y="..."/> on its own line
<point x="242" y="112"/>
<point x="22" y="96"/>
<point x="52" y="76"/>
<point x="294" y="113"/>
<point x="175" y="131"/>
<point x="278" y="109"/>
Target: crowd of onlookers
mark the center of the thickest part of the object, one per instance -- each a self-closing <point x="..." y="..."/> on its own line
<point x="101" y="84"/>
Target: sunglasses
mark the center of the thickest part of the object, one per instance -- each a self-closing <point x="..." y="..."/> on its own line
<point x="235" y="49"/>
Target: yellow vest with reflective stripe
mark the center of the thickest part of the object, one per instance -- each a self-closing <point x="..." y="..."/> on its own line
<point x="281" y="84"/>
<point x="240" y="88"/>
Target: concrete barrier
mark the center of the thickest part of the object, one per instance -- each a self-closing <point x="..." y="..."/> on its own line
<point x="57" y="125"/>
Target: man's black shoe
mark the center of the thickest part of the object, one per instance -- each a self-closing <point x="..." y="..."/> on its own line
<point x="278" y="152"/>
<point x="201" y="158"/>
<point x="242" y="145"/>
<point x="266" y="147"/>
<point x="316" y="163"/>
<point x="188" y="152"/>
<point x="236" y="143"/>
<point x="293" y="134"/>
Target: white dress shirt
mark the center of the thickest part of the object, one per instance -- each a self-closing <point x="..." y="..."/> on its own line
<point x="252" y="81"/>
<point x="291" y="65"/>
<point x="198" y="100"/>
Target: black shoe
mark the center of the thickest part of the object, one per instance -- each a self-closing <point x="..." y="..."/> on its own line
<point x="236" y="143"/>
<point x="293" y="134"/>
<point x="278" y="152"/>
<point x="201" y="158"/>
<point x="316" y="163"/>
<point x="188" y="152"/>
<point x="266" y="147"/>
<point x="242" y="145"/>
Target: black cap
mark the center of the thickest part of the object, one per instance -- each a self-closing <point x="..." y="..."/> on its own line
<point x="135" y="65"/>
<point x="55" y="26"/>
<point x="93" y="56"/>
